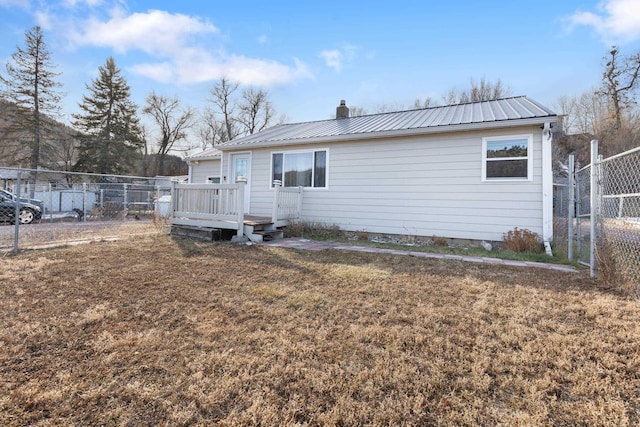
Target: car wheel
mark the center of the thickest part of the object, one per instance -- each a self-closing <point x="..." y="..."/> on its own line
<point x="26" y="216"/>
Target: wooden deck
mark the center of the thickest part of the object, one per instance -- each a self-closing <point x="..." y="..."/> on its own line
<point x="221" y="206"/>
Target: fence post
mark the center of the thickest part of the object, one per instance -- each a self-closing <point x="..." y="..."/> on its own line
<point x="572" y="206"/>
<point x="125" y="196"/>
<point x="593" y="202"/>
<point x="600" y="184"/>
<point x="84" y="201"/>
<point x="16" y="219"/>
<point x="50" y="203"/>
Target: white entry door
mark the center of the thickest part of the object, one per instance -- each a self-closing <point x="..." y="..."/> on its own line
<point x="241" y="167"/>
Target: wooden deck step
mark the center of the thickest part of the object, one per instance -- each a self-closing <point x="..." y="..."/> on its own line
<point x="268" y="236"/>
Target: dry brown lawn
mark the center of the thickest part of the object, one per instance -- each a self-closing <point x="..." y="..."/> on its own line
<point x="154" y="331"/>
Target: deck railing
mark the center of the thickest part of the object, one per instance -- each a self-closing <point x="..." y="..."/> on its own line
<point x="222" y="205"/>
<point x="287" y="204"/>
<point x="208" y="205"/>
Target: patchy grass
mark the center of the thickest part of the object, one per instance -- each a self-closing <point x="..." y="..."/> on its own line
<point x="321" y="232"/>
<point x="156" y="331"/>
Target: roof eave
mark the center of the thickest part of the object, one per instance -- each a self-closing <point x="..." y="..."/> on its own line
<point x="394" y="133"/>
<point x="200" y="158"/>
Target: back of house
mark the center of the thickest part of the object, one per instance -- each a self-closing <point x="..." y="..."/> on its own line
<point x="466" y="171"/>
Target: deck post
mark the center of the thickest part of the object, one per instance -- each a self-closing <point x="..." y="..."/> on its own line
<point x="299" y="216"/>
<point x="276" y="197"/>
<point x="241" y="181"/>
<point x="174" y="199"/>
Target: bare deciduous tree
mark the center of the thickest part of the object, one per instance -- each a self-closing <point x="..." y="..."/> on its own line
<point x="256" y="111"/>
<point x="223" y="101"/>
<point x="484" y="90"/>
<point x="425" y="103"/>
<point x="230" y="116"/>
<point x="355" y="111"/>
<point x="172" y="121"/>
<point x="211" y="131"/>
<point x="619" y="81"/>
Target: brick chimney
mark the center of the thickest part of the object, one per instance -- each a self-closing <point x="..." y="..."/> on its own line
<point x="342" y="111"/>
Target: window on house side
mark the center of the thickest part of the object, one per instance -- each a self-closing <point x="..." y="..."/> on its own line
<point x="507" y="158"/>
<point x="300" y="168"/>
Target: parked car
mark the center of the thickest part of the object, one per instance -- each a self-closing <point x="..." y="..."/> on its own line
<point x="10" y="195"/>
<point x="29" y="211"/>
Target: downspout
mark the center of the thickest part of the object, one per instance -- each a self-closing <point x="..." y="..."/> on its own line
<point x="547" y="188"/>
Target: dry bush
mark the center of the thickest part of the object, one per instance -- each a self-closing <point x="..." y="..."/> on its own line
<point x="616" y="268"/>
<point x="155" y="331"/>
<point x="522" y="240"/>
<point x="315" y="230"/>
<point x="439" y="241"/>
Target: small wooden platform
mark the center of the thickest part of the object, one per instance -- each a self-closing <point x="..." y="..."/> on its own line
<point x="257" y="220"/>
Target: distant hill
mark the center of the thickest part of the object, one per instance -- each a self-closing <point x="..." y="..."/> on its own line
<point x="58" y="150"/>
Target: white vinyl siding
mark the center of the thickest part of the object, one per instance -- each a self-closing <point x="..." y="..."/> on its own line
<point x="201" y="172"/>
<point x="419" y="185"/>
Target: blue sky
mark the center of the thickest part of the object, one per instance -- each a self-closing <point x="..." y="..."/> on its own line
<point x="310" y="55"/>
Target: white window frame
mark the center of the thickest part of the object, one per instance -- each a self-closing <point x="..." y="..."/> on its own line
<point x="528" y="158"/>
<point x="312" y="151"/>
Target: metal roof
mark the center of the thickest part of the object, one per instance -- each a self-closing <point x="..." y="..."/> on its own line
<point x="473" y="115"/>
<point x="211" y="153"/>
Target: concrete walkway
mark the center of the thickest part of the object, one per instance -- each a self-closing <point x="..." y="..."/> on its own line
<point x="314" y="245"/>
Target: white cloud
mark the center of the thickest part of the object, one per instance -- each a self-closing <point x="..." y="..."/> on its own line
<point x="154" y="32"/>
<point x="43" y="19"/>
<point x="613" y="20"/>
<point x="175" y="44"/>
<point x="332" y="59"/>
<point x="198" y="67"/>
<point x="339" y="58"/>
<point x="262" y="39"/>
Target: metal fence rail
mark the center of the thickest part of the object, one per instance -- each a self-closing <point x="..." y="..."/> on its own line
<point x="62" y="207"/>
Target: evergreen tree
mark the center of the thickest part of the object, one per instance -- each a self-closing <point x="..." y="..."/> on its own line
<point x="30" y="86"/>
<point x="111" y="133"/>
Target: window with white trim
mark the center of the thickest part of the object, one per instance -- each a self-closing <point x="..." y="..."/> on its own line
<point x="507" y="158"/>
<point x="300" y="168"/>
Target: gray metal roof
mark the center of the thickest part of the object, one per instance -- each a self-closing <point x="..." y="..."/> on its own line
<point x="473" y="115"/>
<point x="211" y="153"/>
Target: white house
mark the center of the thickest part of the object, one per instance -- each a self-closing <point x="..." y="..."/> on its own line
<point x="204" y="167"/>
<point x="466" y="171"/>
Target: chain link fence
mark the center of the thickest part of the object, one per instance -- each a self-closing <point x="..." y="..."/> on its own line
<point x="618" y="249"/>
<point x="597" y="211"/>
<point x="66" y="207"/>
